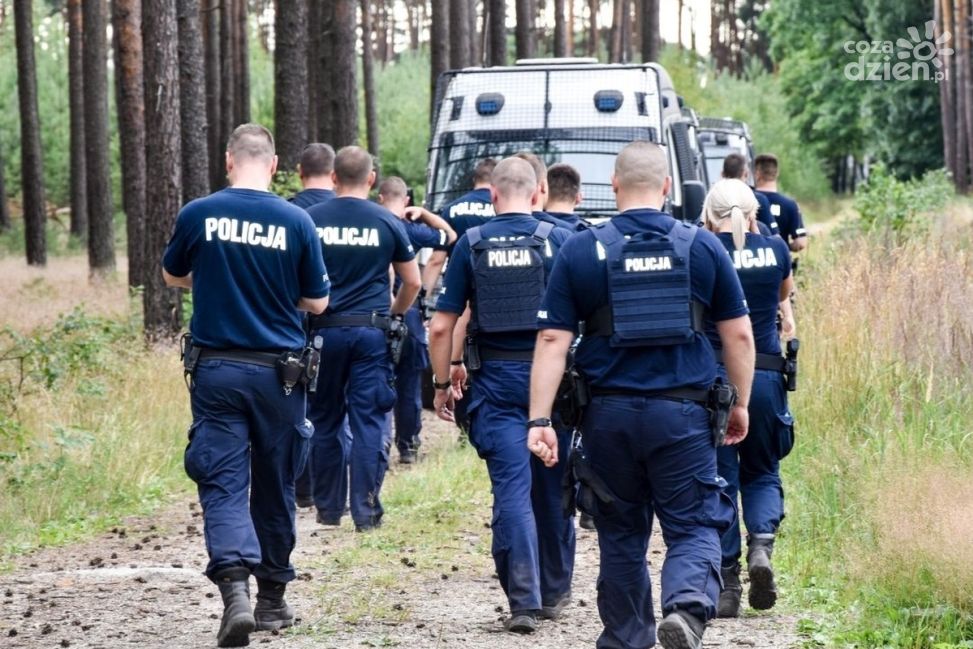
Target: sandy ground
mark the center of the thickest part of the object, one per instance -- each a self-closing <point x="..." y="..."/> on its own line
<point x="141" y="585"/>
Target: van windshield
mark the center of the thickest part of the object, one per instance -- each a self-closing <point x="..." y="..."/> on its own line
<point x="591" y="151"/>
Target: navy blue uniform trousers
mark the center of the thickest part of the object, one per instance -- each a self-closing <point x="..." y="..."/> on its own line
<point x="355" y="381"/>
<point x="247" y="443"/>
<point x="533" y="541"/>
<point x="752" y="468"/>
<point x="408" y="384"/>
<point x="657" y="457"/>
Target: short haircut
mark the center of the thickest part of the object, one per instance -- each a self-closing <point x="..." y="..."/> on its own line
<point x="353" y="165"/>
<point x="563" y="182"/>
<point x="767" y="166"/>
<point x="734" y="166"/>
<point x="393" y="187"/>
<point x="483" y="171"/>
<point x="540" y="169"/>
<point x="317" y="159"/>
<point x="514" y="178"/>
<point x="251" y="142"/>
<point x="641" y="166"/>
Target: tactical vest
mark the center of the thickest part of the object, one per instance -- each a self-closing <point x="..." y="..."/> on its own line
<point x="650" y="291"/>
<point x="509" y="279"/>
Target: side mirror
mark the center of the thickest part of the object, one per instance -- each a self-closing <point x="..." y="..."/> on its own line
<point x="693" y="197"/>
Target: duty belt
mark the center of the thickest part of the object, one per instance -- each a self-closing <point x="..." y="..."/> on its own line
<point x="350" y="320"/>
<point x="772" y="362"/>
<point x="490" y="354"/>
<point x="264" y="359"/>
<point x="675" y="394"/>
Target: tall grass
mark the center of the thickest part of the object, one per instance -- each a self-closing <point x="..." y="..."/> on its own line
<point x="880" y="514"/>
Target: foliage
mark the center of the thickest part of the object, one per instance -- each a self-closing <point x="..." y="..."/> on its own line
<point x="403" y="116"/>
<point x="886" y="203"/>
<point x="286" y="183"/>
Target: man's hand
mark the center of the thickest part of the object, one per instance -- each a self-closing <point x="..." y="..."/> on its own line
<point x="788" y="329"/>
<point x="443" y="404"/>
<point x="736" y="430"/>
<point x="457" y="376"/>
<point x="542" y="442"/>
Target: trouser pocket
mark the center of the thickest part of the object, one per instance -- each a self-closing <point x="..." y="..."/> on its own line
<point x="785" y="434"/>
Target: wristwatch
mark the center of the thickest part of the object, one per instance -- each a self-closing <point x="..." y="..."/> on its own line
<point x="440" y="386"/>
<point x="540" y="422"/>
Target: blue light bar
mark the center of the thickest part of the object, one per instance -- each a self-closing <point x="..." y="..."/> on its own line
<point x="608" y="101"/>
<point x="489" y="103"/>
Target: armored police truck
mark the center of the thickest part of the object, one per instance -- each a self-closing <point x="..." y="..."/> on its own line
<point x="719" y="138"/>
<point x="575" y="111"/>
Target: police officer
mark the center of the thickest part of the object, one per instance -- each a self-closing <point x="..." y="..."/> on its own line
<point x="253" y="263"/>
<point x="752" y="467"/>
<point x="407" y="413"/>
<point x="360" y="239"/>
<point x="564" y="194"/>
<point x="540" y="203"/>
<point x="314" y="168"/>
<point x="735" y="166"/>
<point x="640" y="283"/>
<point x="500" y="269"/>
<point x="790" y="223"/>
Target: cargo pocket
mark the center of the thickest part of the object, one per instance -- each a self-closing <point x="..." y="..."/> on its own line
<point x="384" y="393"/>
<point x="197" y="457"/>
<point x="716" y="508"/>
<point x="302" y="446"/>
<point x="785" y="434"/>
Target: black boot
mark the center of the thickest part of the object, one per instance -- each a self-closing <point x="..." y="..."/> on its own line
<point x="237" y="623"/>
<point x="763" y="588"/>
<point x="729" y="604"/>
<point x="681" y="630"/>
<point x="272" y="612"/>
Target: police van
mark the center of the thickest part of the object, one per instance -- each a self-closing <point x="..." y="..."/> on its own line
<point x="572" y="110"/>
<point x="718" y="138"/>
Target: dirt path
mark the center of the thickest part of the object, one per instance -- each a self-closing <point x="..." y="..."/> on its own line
<point x="142" y="586"/>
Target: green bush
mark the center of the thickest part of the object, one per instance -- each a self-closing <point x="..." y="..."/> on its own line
<point x="403" y="117"/>
<point x="887" y="204"/>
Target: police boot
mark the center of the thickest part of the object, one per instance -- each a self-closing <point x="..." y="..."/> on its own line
<point x="272" y="612"/>
<point x="681" y="630"/>
<point x="237" y="623"/>
<point x="729" y="604"/>
<point x="763" y="589"/>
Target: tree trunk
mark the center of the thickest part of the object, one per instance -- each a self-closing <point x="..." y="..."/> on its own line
<point x="214" y="95"/>
<point x="524" y="29"/>
<point x="313" y="72"/>
<point x="101" y="231"/>
<point x="618" y="19"/>
<point x="79" y="180"/>
<point x="459" y="33"/>
<point x="192" y="102"/>
<point x="679" y="12"/>
<point x="368" y="72"/>
<point x="942" y="14"/>
<point x="343" y="93"/>
<point x="129" y="88"/>
<point x="242" y="65"/>
<point x="228" y="86"/>
<point x="290" y="81"/>
<point x="650" y="30"/>
<point x="963" y="39"/>
<point x="4" y="207"/>
<point x="561" y="29"/>
<point x="163" y="157"/>
<point x="570" y="26"/>
<point x="593" y="43"/>
<point x="412" y="13"/>
<point x="438" y="46"/>
<point x="475" y="38"/>
<point x="497" y="45"/>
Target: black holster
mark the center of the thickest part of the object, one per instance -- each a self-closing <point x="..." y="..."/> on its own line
<point x="573" y="395"/>
<point x="582" y="488"/>
<point x="471" y="354"/>
<point x="189" y="354"/>
<point x="790" y="364"/>
<point x="395" y="333"/>
<point x="722" y="397"/>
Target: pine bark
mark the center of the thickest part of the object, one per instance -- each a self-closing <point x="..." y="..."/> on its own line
<point x="651" y="39"/>
<point x="368" y="72"/>
<point x="101" y="230"/>
<point x="497" y="42"/>
<point x="242" y="62"/>
<point x="594" y="44"/>
<point x="32" y="167"/>
<point x="163" y="156"/>
<point x="214" y="95"/>
<point x="192" y="102"/>
<point x="523" y="31"/>
<point x="343" y="93"/>
<point x="314" y="29"/>
<point x="129" y="88"/>
<point x="965" y="52"/>
<point x="618" y="19"/>
<point x="561" y="28"/>
<point x="4" y="206"/>
<point x="290" y="81"/>
<point x="439" y="46"/>
<point x="78" y="177"/>
<point x="459" y="33"/>
<point x="228" y="86"/>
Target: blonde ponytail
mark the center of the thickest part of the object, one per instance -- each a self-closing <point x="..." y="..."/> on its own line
<point x="730" y="199"/>
<point x="739" y="224"/>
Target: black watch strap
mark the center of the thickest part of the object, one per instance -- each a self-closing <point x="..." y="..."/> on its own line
<point x="540" y="422"/>
<point x="440" y="386"/>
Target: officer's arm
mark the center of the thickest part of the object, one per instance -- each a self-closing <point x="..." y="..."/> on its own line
<point x="798" y="243"/>
<point x="550" y="356"/>
<point x="789" y="329"/>
<point x="314" y="305"/>
<point x="433" y="220"/>
<point x="738" y="355"/>
<point x="432" y="270"/>
<point x="459" y="335"/>
<point x="408" y="272"/>
<point x="441" y="343"/>
<point x="177" y="282"/>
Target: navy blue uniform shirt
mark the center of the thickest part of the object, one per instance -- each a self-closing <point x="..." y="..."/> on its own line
<point x="360" y="240"/>
<point x="422" y="236"/>
<point x="544" y="217"/>
<point x="310" y="197"/>
<point x="253" y="256"/>
<point x="458" y="282"/>
<point x="468" y="211"/>
<point x="762" y="265"/>
<point x="579" y="287"/>
<point x="764" y="212"/>
<point x="790" y="223"/>
<point x="572" y="221"/>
